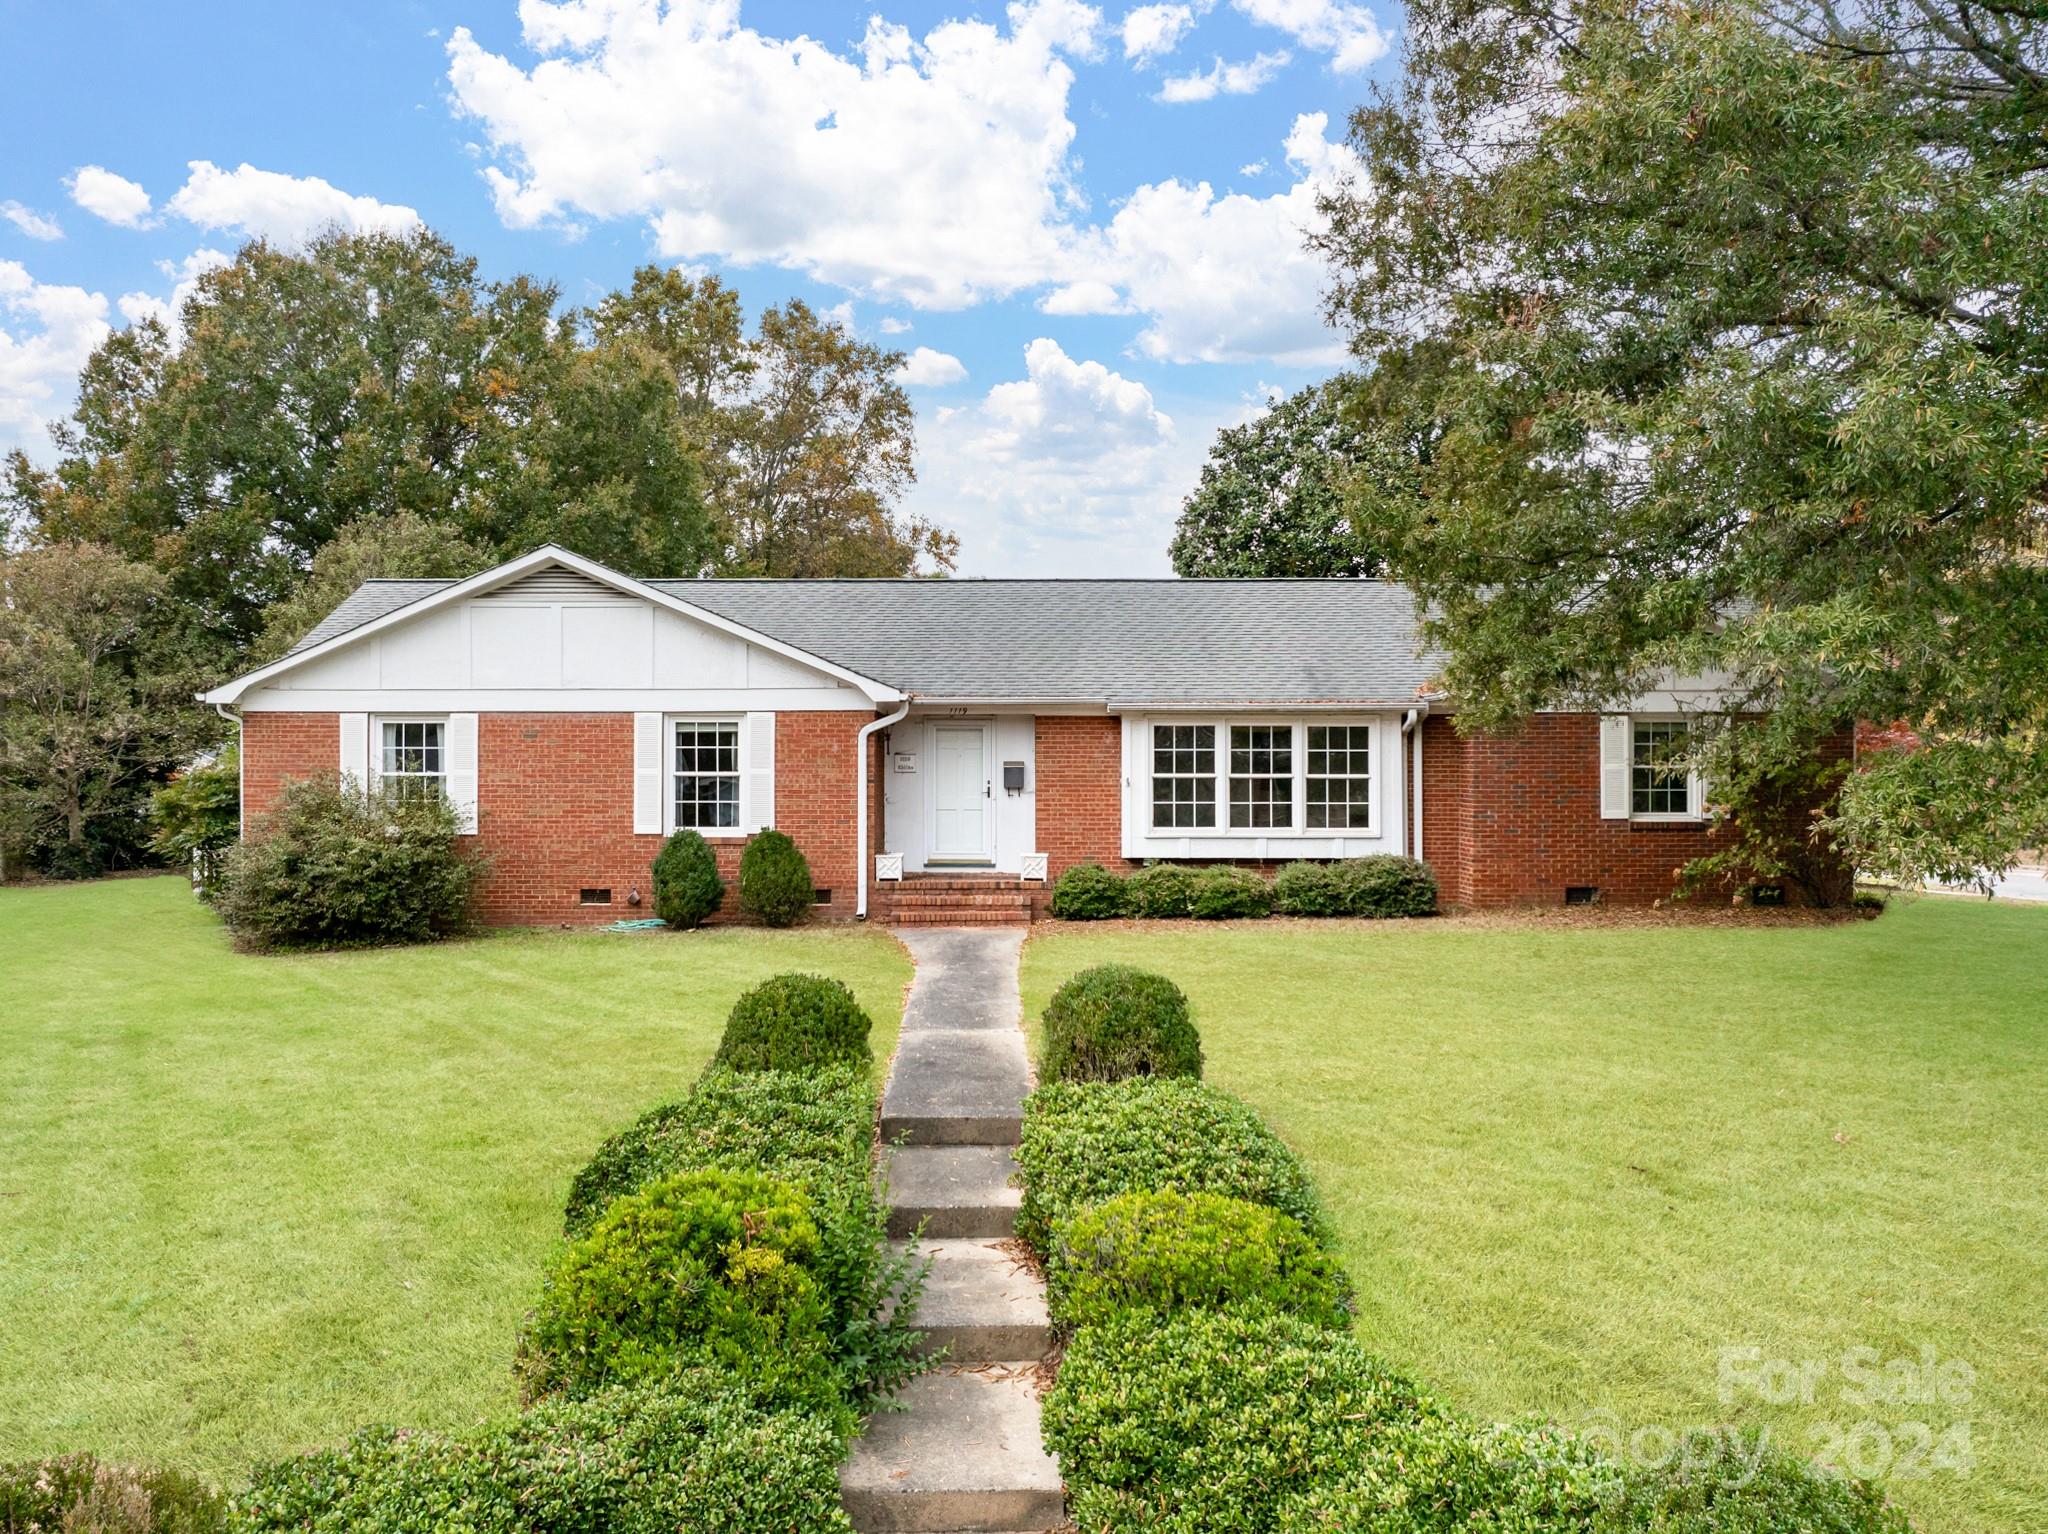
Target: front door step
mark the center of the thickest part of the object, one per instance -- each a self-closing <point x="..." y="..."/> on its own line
<point x="981" y="1303"/>
<point x="952" y="1190"/>
<point x="962" y="1457"/>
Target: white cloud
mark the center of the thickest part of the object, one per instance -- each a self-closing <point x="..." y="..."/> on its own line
<point x="841" y="314"/>
<point x="928" y="369"/>
<point x="934" y="171"/>
<point x="1089" y="296"/>
<point x="1255" y="168"/>
<point x="269" y="205"/>
<point x="1153" y="30"/>
<point x="890" y="325"/>
<point x="1220" y="79"/>
<point x="1348" y="33"/>
<point x="37" y="226"/>
<point x="105" y="195"/>
<point x="46" y="333"/>
<point x="184" y="275"/>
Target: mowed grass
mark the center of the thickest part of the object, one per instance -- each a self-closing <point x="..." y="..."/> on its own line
<point x="249" y="1204"/>
<point x="1572" y="1164"/>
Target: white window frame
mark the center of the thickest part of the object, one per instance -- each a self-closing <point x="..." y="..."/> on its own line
<point x="376" y="747"/>
<point x="669" y="725"/>
<point x="1221" y="828"/>
<point x="1219" y="746"/>
<point x="1373" y="770"/>
<point x="1694" y="797"/>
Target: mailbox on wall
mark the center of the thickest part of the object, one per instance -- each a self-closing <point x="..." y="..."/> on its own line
<point x="1013" y="777"/>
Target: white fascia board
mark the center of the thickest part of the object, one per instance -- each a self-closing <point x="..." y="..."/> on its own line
<point x="511" y="570"/>
<point x="554" y="700"/>
<point x="1241" y="706"/>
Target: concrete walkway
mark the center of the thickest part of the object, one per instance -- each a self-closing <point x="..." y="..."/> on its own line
<point x="961" y="1455"/>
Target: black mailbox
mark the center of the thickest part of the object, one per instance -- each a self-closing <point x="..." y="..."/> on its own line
<point x="1013" y="777"/>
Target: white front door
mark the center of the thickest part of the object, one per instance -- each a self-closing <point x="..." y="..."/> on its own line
<point x="960" y="793"/>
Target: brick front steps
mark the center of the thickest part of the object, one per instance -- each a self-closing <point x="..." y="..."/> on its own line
<point x="960" y="900"/>
<point x="961" y="1454"/>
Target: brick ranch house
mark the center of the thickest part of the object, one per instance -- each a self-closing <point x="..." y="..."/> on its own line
<point x="943" y="749"/>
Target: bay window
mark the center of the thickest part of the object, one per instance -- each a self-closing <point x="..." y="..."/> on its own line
<point x="1260" y="777"/>
<point x="1183" y="776"/>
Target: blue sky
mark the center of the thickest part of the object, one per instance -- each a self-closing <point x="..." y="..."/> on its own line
<point x="1082" y="225"/>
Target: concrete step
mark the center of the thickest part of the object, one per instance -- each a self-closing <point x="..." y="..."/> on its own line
<point x="952" y="1190"/>
<point x="956" y="1086"/>
<point x="981" y="1303"/>
<point x="962" y="1457"/>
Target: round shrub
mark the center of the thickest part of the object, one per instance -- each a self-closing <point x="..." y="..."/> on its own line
<point x="1161" y="890"/>
<point x="335" y="867"/>
<point x="1175" y="1251"/>
<point x="1385" y="884"/>
<point x="1114" y="1022"/>
<point x="1223" y="893"/>
<point x="686" y="884"/>
<point x="703" y="1267"/>
<point x="794" y="1023"/>
<point x="775" y="881"/>
<point x="1088" y="892"/>
<point x="1307" y="889"/>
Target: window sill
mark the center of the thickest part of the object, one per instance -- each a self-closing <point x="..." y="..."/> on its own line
<point x="1667" y="820"/>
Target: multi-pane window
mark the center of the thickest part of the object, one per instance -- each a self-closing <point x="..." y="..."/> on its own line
<point x="412" y="760"/>
<point x="1659" y="781"/>
<point x="1261" y="776"/>
<point x="1183" y="776"/>
<point x="1339" y="780"/>
<point x="707" y="775"/>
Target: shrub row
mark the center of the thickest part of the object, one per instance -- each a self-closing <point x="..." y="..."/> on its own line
<point x="1382" y="885"/>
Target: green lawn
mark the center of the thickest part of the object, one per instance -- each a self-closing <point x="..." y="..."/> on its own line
<point x="1571" y="1164"/>
<point x="247" y="1204"/>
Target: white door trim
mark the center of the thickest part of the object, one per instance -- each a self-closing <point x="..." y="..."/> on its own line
<point x="937" y="855"/>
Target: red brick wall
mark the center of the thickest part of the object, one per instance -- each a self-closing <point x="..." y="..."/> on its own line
<point x="1445" y="810"/>
<point x="278" y="747"/>
<point x="1079" y="763"/>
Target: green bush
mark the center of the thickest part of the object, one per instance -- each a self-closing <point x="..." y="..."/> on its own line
<point x="1724" y="1483"/>
<point x="686" y="884"/>
<point x="335" y="867"/>
<point x="1088" y="892"/>
<point x="1114" y="1022"/>
<point x="78" y="1494"/>
<point x="196" y="817"/>
<point x="687" y="1456"/>
<point x="1385" y="884"/>
<point x="793" y="1023"/>
<point x="775" y="881"/>
<point x="1223" y="893"/>
<point x="1308" y="889"/>
<point x="1160" y="890"/>
<point x="1085" y="1142"/>
<point x="1179" y="1251"/>
<point x="703" y="1267"/>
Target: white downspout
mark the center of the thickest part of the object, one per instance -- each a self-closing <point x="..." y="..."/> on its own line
<point x="860" y="807"/>
<point x="1411" y="725"/>
<point x="241" y="768"/>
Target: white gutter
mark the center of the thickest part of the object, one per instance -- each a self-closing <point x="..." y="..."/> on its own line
<point x="860" y="806"/>
<point x="1411" y="725"/>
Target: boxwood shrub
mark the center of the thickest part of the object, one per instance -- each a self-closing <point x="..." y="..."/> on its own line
<point x="793" y="1023"/>
<point x="1084" y="1142"/>
<point x="687" y="887"/>
<point x="81" y="1493"/>
<point x="1088" y="892"/>
<point x="1222" y="893"/>
<point x="704" y="1267"/>
<point x="1180" y="1251"/>
<point x="1386" y="884"/>
<point x="1722" y="1484"/>
<point x="775" y="880"/>
<point x="1113" y="1022"/>
<point x="1307" y="889"/>
<point x="686" y="1456"/>
<point x="1160" y="890"/>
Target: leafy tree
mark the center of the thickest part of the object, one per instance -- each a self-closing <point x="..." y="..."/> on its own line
<point x="95" y="702"/>
<point x="1271" y="496"/>
<point x="197" y="816"/>
<point x="1731" y="318"/>
<point x="402" y="545"/>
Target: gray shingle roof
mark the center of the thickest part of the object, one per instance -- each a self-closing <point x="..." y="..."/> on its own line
<point x="1126" y="641"/>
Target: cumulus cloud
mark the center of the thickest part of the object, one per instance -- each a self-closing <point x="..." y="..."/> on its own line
<point x="1347" y="33"/>
<point x="1241" y="78"/>
<point x="890" y="325"/>
<point x="287" y="210"/>
<point x="932" y="170"/>
<point x="105" y="195"/>
<point x="46" y="333"/>
<point x="184" y="276"/>
<point x="928" y="369"/>
<point x="37" y="226"/>
<point x="1152" y="30"/>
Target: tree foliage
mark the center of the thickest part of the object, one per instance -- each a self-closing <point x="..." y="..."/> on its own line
<point x="1731" y="320"/>
<point x="401" y="546"/>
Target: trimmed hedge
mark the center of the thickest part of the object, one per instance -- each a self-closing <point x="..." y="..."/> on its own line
<point x="1084" y="1142"/>
<point x="1160" y="890"/>
<point x="1224" y="893"/>
<point x="79" y="1492"/>
<point x="1308" y="889"/>
<point x="687" y="887"/>
<point x="685" y="1456"/>
<point x="1088" y="892"/>
<point x="1382" y="884"/>
<point x="794" y="1022"/>
<point x="1174" y="1251"/>
<point x="1725" y="1486"/>
<point x="775" y="880"/>
<point x="1114" y="1022"/>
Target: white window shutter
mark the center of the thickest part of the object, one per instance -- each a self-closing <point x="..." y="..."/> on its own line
<point x="355" y="749"/>
<point x="1615" y="748"/>
<point x="648" y="761"/>
<point x="461" y="766"/>
<point x="760" y="807"/>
